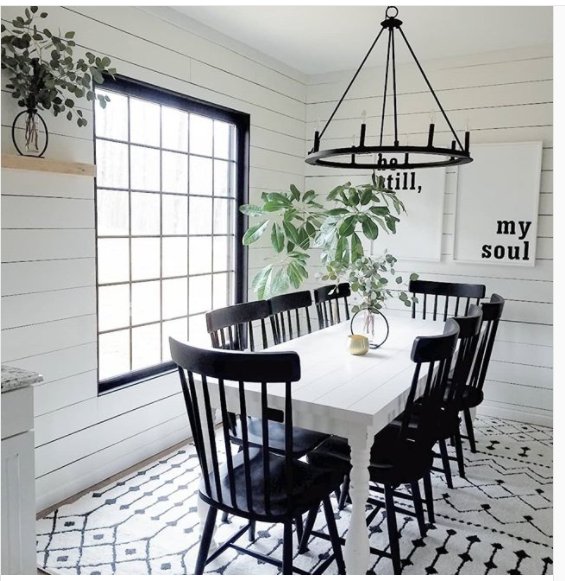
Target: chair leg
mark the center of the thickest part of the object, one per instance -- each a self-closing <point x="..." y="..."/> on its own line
<point x="205" y="541"/>
<point x="251" y="531"/>
<point x="459" y="454"/>
<point x="287" y="549"/>
<point x="470" y="431"/>
<point x="445" y="462"/>
<point x="344" y="494"/>
<point x="225" y="517"/>
<point x="310" y="520"/>
<point x="418" y="507"/>
<point x="428" y="492"/>
<point x="299" y="528"/>
<point x="392" y="529"/>
<point x="334" y="536"/>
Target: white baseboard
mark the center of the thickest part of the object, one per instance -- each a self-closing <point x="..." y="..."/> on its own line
<point x="520" y="414"/>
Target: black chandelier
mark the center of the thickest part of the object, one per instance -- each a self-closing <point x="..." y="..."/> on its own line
<point x="381" y="156"/>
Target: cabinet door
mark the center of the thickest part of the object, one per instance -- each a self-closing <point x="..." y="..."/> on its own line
<point x="18" y="505"/>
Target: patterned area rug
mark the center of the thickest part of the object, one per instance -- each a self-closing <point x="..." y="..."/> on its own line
<point x="496" y="521"/>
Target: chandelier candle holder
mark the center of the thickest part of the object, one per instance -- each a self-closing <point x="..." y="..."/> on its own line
<point x="393" y="156"/>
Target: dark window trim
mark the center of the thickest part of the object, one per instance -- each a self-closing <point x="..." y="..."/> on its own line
<point x="136" y="88"/>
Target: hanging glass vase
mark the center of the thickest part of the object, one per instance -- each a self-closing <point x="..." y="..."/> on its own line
<point x="35" y="137"/>
<point x="372" y="324"/>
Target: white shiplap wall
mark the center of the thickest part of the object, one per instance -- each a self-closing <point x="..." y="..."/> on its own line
<point x="503" y="97"/>
<point x="48" y="238"/>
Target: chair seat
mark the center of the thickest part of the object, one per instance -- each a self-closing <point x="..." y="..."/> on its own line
<point x="446" y="424"/>
<point x="303" y="441"/>
<point x="393" y="461"/>
<point x="310" y="485"/>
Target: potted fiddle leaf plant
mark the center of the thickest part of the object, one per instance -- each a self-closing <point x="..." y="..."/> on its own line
<point x="300" y="223"/>
<point x="43" y="74"/>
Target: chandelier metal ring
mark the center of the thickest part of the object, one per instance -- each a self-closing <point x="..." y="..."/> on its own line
<point x="391" y="155"/>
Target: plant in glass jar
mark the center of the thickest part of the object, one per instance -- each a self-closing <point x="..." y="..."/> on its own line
<point x="370" y="279"/>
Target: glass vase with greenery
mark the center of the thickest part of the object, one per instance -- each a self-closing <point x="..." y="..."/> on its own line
<point x="43" y="73"/>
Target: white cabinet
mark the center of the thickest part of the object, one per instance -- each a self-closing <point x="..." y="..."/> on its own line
<point x="18" y="473"/>
<point x="18" y="505"/>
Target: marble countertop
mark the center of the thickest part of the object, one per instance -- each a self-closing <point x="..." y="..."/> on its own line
<point x="14" y="378"/>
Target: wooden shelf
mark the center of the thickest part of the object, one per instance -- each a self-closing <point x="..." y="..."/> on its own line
<point x="21" y="162"/>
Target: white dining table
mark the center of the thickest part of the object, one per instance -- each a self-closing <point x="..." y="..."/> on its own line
<point x="350" y="396"/>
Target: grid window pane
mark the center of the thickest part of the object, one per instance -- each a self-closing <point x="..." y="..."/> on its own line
<point x="174" y="298"/>
<point x="111" y="164"/>
<point x="112" y="213"/>
<point x="175" y="172"/>
<point x="200" y="176"/>
<point x="175" y="257"/>
<point x="112" y="121"/>
<point x="201" y="134"/>
<point x="221" y="297"/>
<point x="113" y="307"/>
<point x="174" y="128"/>
<point x="113" y="353"/>
<point x="177" y="329"/>
<point x="145" y="300"/>
<point x="223" y="216"/>
<point x="165" y="225"/>
<point x="145" y="168"/>
<point x="221" y="253"/>
<point x="224" y="140"/>
<point x="145" y="214"/>
<point x="198" y="335"/>
<point x="145" y="122"/>
<point x="200" y="255"/>
<point x="145" y="346"/>
<point x="145" y="258"/>
<point x="175" y="214"/>
<point x="113" y="260"/>
<point x="200" y="294"/>
<point x="200" y="215"/>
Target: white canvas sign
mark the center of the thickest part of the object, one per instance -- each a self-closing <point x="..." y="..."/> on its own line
<point x="418" y="234"/>
<point x="497" y="204"/>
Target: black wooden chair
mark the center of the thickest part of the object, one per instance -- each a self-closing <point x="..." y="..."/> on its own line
<point x="472" y="394"/>
<point x="327" y="300"/>
<point x="253" y="483"/>
<point x="470" y="293"/>
<point x="402" y="452"/>
<point x="448" y="418"/>
<point x="282" y="307"/>
<point x="233" y="327"/>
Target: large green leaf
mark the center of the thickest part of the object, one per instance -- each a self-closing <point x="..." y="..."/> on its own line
<point x="291" y="232"/>
<point x="370" y="229"/>
<point x="295" y="192"/>
<point x="379" y="210"/>
<point x="251" y="210"/>
<point x="356" y="248"/>
<point x="254" y="233"/>
<point x="347" y="227"/>
<point x="277" y="238"/>
<point x="260" y="281"/>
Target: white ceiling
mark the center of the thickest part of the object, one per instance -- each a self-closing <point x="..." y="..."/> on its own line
<point x="320" y="39"/>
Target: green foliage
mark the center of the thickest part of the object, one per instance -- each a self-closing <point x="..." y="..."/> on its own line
<point x="370" y="278"/>
<point x="298" y="222"/>
<point x="42" y="72"/>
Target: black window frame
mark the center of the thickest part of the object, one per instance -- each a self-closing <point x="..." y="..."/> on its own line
<point x="140" y="89"/>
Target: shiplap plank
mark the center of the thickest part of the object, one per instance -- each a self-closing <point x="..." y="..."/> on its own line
<point x="47" y="337"/>
<point x="520" y="395"/>
<point x="23" y="245"/>
<point x="68" y="392"/>
<point x="47" y="275"/>
<point x="43" y="184"/>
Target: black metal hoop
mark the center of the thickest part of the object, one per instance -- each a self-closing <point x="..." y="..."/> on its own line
<point x="372" y="345"/>
<point x="36" y="114"/>
<point x="391" y="15"/>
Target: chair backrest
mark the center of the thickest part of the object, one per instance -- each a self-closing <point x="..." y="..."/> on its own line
<point x="470" y="293"/>
<point x="232" y="327"/>
<point x="327" y="303"/>
<point x="203" y="373"/>
<point x="282" y="307"/>
<point x="433" y="356"/>
<point x="467" y="344"/>
<point x="492" y="313"/>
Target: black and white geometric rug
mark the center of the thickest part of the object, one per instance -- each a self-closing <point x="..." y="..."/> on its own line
<point x="497" y="521"/>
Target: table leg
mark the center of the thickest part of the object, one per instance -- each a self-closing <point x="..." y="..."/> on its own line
<point x="357" y="542"/>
